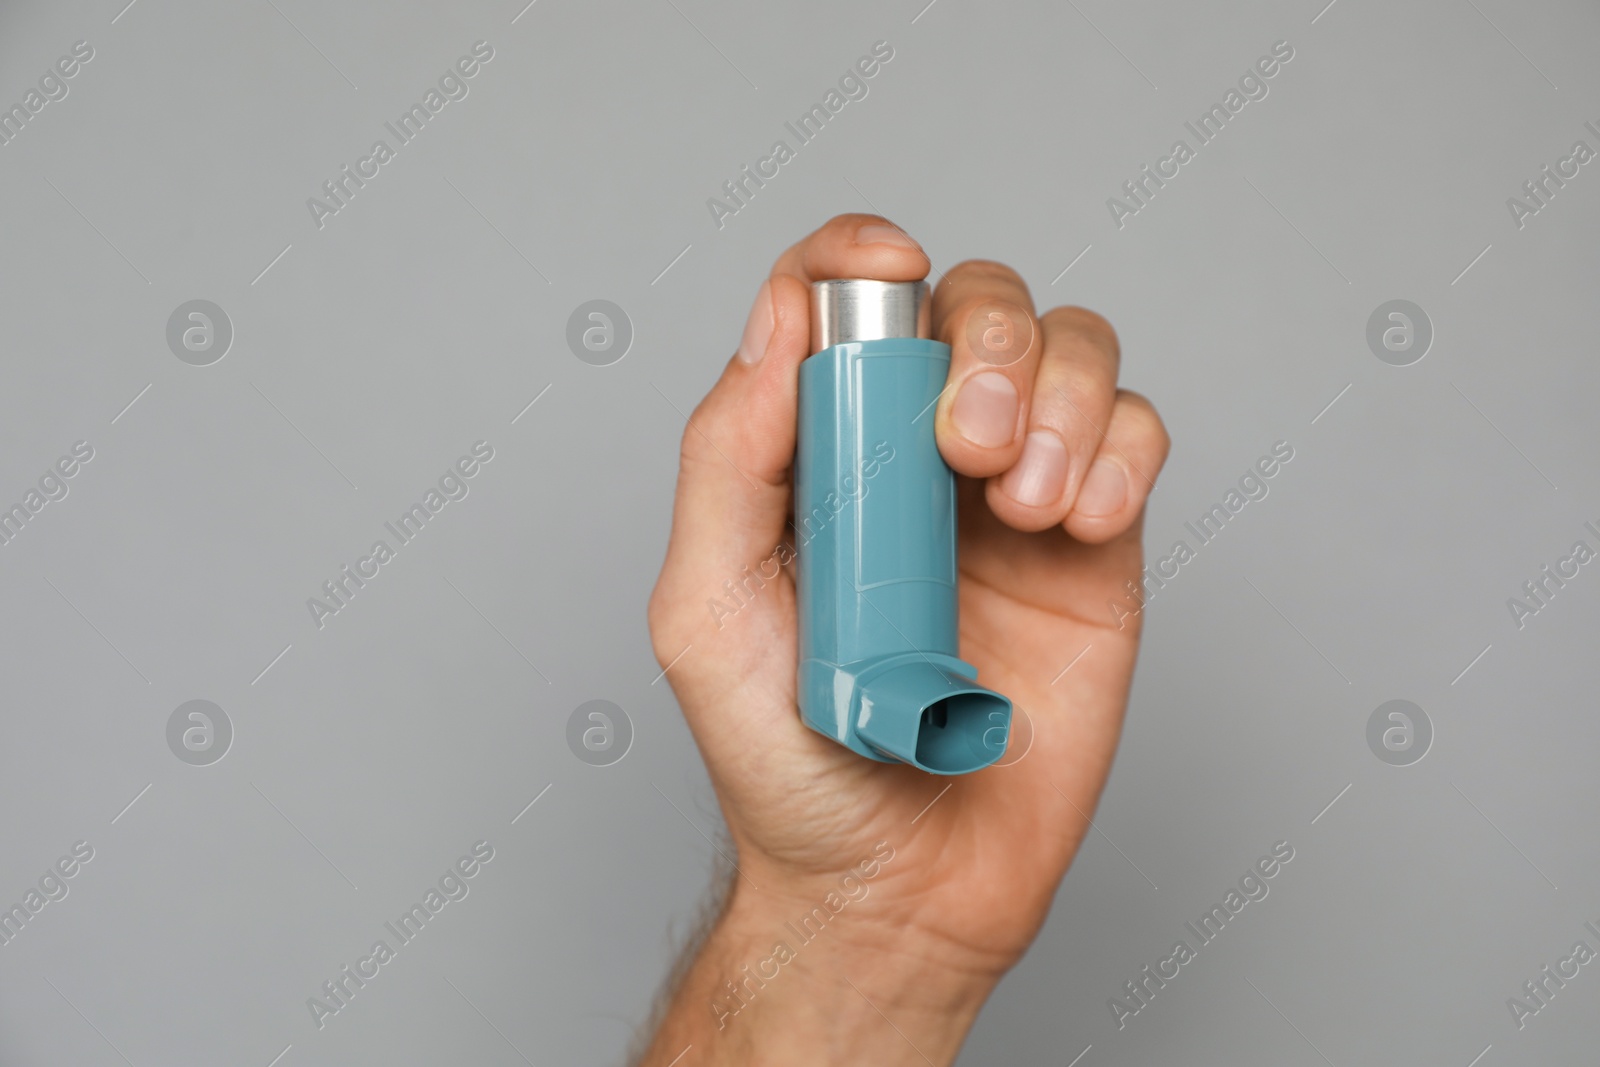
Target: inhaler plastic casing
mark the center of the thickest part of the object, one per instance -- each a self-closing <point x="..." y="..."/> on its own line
<point x="875" y="533"/>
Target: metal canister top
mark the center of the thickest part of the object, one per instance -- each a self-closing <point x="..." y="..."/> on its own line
<point x="859" y="309"/>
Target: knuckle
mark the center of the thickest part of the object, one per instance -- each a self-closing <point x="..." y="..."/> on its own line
<point x="1090" y="325"/>
<point x="1146" y="420"/>
<point x="690" y="448"/>
<point x="984" y="270"/>
<point x="664" y="614"/>
<point x="694" y="445"/>
<point x="984" y="267"/>
<point x="1082" y="388"/>
<point x="655" y="614"/>
<point x="847" y="223"/>
<point x="856" y="218"/>
<point x="1162" y="437"/>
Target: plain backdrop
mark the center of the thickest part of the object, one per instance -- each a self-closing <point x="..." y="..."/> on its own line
<point x="374" y="347"/>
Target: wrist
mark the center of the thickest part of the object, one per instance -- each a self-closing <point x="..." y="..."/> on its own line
<point x="782" y="979"/>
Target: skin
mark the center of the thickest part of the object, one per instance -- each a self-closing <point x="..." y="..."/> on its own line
<point x="899" y="975"/>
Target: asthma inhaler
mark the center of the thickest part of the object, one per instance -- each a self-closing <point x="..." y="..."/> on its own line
<point x="875" y="533"/>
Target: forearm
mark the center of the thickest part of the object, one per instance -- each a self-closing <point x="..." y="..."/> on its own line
<point x="767" y="990"/>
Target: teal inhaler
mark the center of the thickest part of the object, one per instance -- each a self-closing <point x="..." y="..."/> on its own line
<point x="875" y="534"/>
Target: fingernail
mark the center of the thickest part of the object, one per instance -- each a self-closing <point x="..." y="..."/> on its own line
<point x="877" y="234"/>
<point x="985" y="411"/>
<point x="1041" y="474"/>
<point x="1104" y="491"/>
<point x="758" y="327"/>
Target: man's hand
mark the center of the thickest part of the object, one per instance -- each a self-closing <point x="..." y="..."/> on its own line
<point x="1053" y="465"/>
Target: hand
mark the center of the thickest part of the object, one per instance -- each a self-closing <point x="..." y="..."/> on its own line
<point x="1053" y="467"/>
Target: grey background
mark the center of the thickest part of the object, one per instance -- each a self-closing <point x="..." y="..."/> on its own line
<point x="425" y="316"/>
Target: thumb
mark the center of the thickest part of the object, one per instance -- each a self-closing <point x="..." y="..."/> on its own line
<point x="734" y="472"/>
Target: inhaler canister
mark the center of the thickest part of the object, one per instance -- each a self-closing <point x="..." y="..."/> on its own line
<point x="875" y="535"/>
